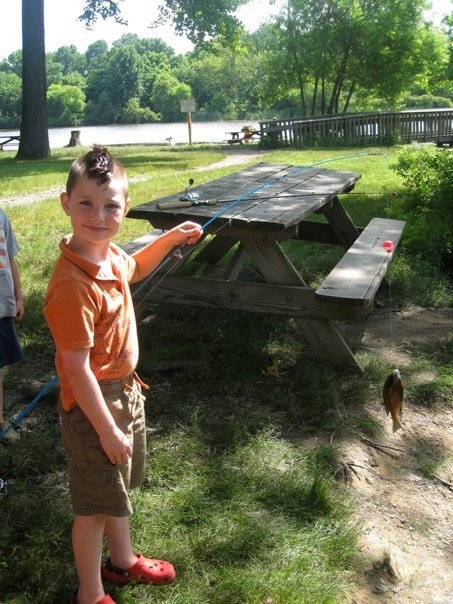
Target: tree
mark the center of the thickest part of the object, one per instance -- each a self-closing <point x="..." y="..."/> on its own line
<point x="66" y="105"/>
<point x="333" y="48"/>
<point x="198" y="19"/>
<point x="167" y="95"/>
<point x="191" y="17"/>
<point x="34" y="136"/>
<point x="13" y="64"/>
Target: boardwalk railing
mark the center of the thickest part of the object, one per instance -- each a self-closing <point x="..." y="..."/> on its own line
<point x="422" y="125"/>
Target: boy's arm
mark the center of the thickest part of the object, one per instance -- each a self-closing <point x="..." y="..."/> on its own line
<point x="149" y="257"/>
<point x="17" y="290"/>
<point x="89" y="397"/>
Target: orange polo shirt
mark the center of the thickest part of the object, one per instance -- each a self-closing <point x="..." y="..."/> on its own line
<point x="88" y="308"/>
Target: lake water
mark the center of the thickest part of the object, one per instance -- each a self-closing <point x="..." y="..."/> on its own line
<point x="202" y="132"/>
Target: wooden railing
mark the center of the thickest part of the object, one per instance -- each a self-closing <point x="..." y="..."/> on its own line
<point x="422" y="125"/>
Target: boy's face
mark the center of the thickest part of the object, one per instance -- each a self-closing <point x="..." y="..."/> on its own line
<point x="96" y="211"/>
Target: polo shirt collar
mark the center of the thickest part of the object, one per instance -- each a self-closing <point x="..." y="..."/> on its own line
<point x="91" y="269"/>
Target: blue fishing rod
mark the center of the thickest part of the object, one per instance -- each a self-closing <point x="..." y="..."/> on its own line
<point x="54" y="380"/>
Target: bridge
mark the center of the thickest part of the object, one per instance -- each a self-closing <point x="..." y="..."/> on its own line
<point x="374" y="128"/>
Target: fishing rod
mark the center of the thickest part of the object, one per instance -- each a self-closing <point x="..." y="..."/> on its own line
<point x="177" y="255"/>
<point x="191" y="199"/>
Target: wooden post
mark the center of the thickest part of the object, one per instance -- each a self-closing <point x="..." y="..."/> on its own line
<point x="74" y="141"/>
<point x="189" y="125"/>
<point x="187" y="106"/>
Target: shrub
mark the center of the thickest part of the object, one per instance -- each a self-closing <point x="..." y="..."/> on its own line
<point x="426" y="204"/>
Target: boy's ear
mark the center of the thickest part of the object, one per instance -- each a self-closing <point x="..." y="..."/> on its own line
<point x="64" y="200"/>
<point x="126" y="207"/>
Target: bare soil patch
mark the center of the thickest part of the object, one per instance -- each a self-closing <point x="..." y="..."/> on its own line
<point x="406" y="540"/>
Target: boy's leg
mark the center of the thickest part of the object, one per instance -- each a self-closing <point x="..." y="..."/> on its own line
<point x="118" y="537"/>
<point x="87" y="538"/>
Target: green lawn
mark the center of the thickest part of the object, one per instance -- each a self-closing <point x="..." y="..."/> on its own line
<point x="240" y="491"/>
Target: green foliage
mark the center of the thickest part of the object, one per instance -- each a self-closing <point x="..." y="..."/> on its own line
<point x="167" y="95"/>
<point x="10" y="99"/>
<point x="134" y="114"/>
<point x="65" y="105"/>
<point x="314" y="58"/>
<point x="427" y="173"/>
<point x="426" y="100"/>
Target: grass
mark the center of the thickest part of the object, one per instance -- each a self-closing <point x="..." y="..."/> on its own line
<point x="240" y="491"/>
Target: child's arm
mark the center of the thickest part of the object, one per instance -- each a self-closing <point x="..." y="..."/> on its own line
<point x="149" y="257"/>
<point x="17" y="290"/>
<point x="76" y="365"/>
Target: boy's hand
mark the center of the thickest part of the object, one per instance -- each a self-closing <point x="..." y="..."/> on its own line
<point x="187" y="232"/>
<point x="149" y="257"/>
<point x="116" y="446"/>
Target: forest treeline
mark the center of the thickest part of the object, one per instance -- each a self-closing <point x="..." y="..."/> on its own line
<point x="313" y="58"/>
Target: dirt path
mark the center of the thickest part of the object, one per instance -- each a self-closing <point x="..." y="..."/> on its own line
<point x="406" y="538"/>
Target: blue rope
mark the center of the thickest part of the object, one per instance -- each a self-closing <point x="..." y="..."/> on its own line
<point x="29" y="407"/>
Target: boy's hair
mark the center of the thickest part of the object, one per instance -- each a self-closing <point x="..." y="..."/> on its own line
<point x="99" y="165"/>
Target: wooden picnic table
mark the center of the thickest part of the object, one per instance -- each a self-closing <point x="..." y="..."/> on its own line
<point x="254" y="211"/>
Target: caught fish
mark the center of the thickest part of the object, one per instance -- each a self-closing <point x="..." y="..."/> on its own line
<point x="392" y="394"/>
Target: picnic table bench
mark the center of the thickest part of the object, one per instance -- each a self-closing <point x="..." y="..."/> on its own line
<point x="5" y="140"/>
<point x="255" y="211"/>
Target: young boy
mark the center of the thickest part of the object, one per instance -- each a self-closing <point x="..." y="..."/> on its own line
<point x="11" y="307"/>
<point x="89" y="311"/>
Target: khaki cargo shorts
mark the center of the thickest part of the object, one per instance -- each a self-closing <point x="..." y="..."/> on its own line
<point x="96" y="485"/>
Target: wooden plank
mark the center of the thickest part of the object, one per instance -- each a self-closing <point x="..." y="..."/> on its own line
<point x="243" y="295"/>
<point x="318" y="232"/>
<point x="215" y="249"/>
<point x="321" y="334"/>
<point x="357" y="276"/>
<point x="341" y="222"/>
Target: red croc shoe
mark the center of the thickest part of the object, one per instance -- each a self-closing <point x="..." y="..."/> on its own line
<point x="157" y="572"/>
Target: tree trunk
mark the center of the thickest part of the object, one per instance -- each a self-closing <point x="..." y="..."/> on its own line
<point x="74" y="141"/>
<point x="34" y="135"/>
<point x="348" y="98"/>
<point x="314" y="98"/>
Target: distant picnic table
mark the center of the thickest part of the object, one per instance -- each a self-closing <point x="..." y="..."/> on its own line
<point x="247" y="136"/>
<point x="5" y="140"/>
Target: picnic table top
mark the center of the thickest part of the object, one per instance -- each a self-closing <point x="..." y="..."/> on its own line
<point x="269" y="198"/>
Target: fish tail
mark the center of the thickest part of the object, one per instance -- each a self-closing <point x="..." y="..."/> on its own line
<point x="396" y="424"/>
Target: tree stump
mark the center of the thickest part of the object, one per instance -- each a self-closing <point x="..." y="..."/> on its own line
<point x="74" y="141"/>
